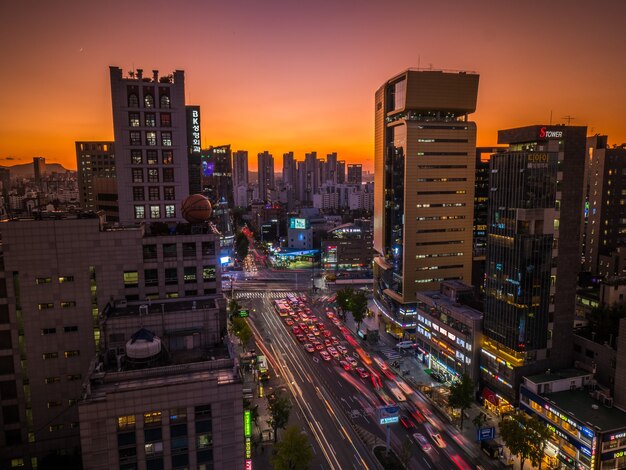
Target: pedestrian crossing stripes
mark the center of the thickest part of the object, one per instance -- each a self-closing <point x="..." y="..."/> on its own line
<point x="263" y="294"/>
<point x="390" y="353"/>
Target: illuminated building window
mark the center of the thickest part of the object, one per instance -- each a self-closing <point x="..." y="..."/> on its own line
<point x="126" y="422"/>
<point x="190" y="274"/>
<point x="166" y="139"/>
<point x="168" y="157"/>
<point x="131" y="279"/>
<point x="165" y="102"/>
<point x="155" y="212"/>
<point x="152" y="418"/>
<point x="43" y="280"/>
<point x="133" y="120"/>
<point x="150" y="120"/>
<point x="136" y="157"/>
<point x="50" y="355"/>
<point x="152" y="158"/>
<point x="68" y="303"/>
<point x="148" y="101"/>
<point x="153" y="175"/>
<point x="170" y="211"/>
<point x="135" y="138"/>
<point x="46" y="306"/>
<point x="151" y="138"/>
<point x="72" y="353"/>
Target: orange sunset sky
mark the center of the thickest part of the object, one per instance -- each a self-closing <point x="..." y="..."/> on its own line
<point x="301" y="75"/>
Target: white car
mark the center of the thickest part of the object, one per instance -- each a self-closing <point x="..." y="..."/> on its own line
<point x="342" y="349"/>
<point x="404" y="345"/>
<point x="352" y="361"/>
<point x="333" y="352"/>
<point x="421" y="440"/>
<point x="435" y="436"/>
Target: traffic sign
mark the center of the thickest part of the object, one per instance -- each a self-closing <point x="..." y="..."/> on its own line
<point x="244" y="312"/>
<point x="484" y="434"/>
<point x="388" y="414"/>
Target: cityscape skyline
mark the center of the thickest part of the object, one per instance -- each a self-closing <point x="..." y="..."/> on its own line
<point x="303" y="88"/>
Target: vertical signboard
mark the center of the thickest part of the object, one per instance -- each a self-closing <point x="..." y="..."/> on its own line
<point x="194" y="148"/>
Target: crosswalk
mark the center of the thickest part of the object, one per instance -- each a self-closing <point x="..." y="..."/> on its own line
<point x="390" y="353"/>
<point x="272" y="294"/>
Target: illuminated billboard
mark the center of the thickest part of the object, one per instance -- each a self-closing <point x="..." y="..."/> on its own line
<point x="299" y="224"/>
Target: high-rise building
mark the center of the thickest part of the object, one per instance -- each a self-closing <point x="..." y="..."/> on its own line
<point x="341" y="171"/>
<point x="240" y="168"/>
<point x="423" y="188"/>
<point x="39" y="168"/>
<point x="604" y="213"/>
<point x="311" y="176"/>
<point x="330" y="170"/>
<point x="355" y="173"/>
<point x="151" y="145"/>
<point x="95" y="161"/>
<point x="531" y="270"/>
<point x="5" y="181"/>
<point x="217" y="174"/>
<point x="289" y="170"/>
<point x="266" y="176"/>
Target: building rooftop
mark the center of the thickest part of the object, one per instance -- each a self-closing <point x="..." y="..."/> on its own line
<point x="581" y="405"/>
<point x="557" y="375"/>
<point x="159" y="306"/>
<point x="440" y="300"/>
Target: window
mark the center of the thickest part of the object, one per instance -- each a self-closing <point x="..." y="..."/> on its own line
<point x="153" y="447"/>
<point x="166" y="139"/>
<point x="190" y="274"/>
<point x="150" y="120"/>
<point x="138" y="193"/>
<point x="169" y="250"/>
<point x="55" y="427"/>
<point x="205" y="440"/>
<point x="131" y="279"/>
<point x="72" y="377"/>
<point x="168" y="193"/>
<point x="70" y="329"/>
<point x="46" y="306"/>
<point x="189" y="250"/>
<point x="137" y="174"/>
<point x="208" y="249"/>
<point x="133" y="101"/>
<point x="51" y="380"/>
<point x="54" y="404"/>
<point x="178" y="430"/>
<point x="155" y="212"/>
<point x="133" y="120"/>
<point x="135" y="138"/>
<point x="72" y="353"/>
<point x="149" y="252"/>
<point x="168" y="175"/>
<point x="152" y="418"/>
<point x="171" y="276"/>
<point x="170" y="211"/>
<point x="203" y="411"/>
<point x="151" y="138"/>
<point x="48" y="331"/>
<point x="136" y="157"/>
<point x="148" y="101"/>
<point x="43" y="280"/>
<point x="154" y="194"/>
<point x="50" y="355"/>
<point x="165" y="101"/>
<point x="152" y="158"/>
<point x="208" y="273"/>
<point x="166" y="120"/>
<point x="178" y="414"/>
<point x="153" y="175"/>
<point x="168" y="157"/>
<point x="151" y="277"/>
<point x="68" y="303"/>
<point x="63" y="279"/>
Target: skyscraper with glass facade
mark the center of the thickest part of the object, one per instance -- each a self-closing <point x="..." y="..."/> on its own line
<point x="424" y="188"/>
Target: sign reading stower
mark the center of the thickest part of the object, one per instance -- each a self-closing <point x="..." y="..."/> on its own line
<point x="388" y="414"/>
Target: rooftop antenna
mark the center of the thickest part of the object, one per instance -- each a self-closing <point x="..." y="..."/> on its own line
<point x="418" y="62"/>
<point x="550" y="117"/>
<point x="569" y="119"/>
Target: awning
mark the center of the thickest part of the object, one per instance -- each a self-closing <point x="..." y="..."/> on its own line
<point x="490" y="396"/>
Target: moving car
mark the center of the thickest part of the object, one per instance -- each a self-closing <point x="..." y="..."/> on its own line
<point x="319" y="346"/>
<point x="296" y="330"/>
<point x="435" y="436"/>
<point x="422" y="441"/>
<point x="327" y="333"/>
<point x="404" y="345"/>
<point x="406" y="422"/>
<point x="362" y="372"/>
<point x="352" y="361"/>
<point x="309" y="347"/>
<point x="328" y="343"/>
<point x="333" y="352"/>
<point x="325" y="355"/>
<point x="342" y="349"/>
<point x="345" y="365"/>
<point x="289" y="321"/>
<point x="301" y="338"/>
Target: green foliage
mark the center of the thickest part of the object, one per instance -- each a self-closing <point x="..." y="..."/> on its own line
<point x="241" y="245"/>
<point x="358" y="306"/>
<point x="462" y="394"/>
<point x="279" y="408"/>
<point x="233" y="306"/>
<point x="479" y="420"/>
<point x="293" y="452"/>
<point x="241" y="329"/>
<point x="525" y="437"/>
<point x="343" y="298"/>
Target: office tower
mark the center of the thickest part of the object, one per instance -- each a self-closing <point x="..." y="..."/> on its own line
<point x="39" y="168"/>
<point x="266" y="176"/>
<point x="150" y="129"/>
<point x="423" y="188"/>
<point x="301" y="187"/>
<point x="355" y="173"/>
<point x="194" y="149"/>
<point x="481" y="197"/>
<point x="604" y="212"/>
<point x="240" y="168"/>
<point x="330" y="170"/>
<point x="217" y="174"/>
<point x="531" y="270"/>
<point x="341" y="171"/>
<point x="61" y="277"/>
<point x="289" y="170"/>
<point x="94" y="161"/>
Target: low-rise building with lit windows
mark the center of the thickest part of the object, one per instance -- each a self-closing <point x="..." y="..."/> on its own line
<point x="588" y="433"/>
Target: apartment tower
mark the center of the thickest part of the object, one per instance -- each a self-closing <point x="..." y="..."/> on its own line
<point x="266" y="176"/>
<point x="424" y="188"/>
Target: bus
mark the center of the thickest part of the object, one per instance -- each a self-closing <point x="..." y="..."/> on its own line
<point x="261" y="363"/>
<point x="281" y="308"/>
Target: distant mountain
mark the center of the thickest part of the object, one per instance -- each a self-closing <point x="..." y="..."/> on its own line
<point x="25" y="170"/>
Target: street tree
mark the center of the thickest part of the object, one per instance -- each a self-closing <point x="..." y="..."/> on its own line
<point x="279" y="408"/>
<point x="343" y="299"/>
<point x="479" y="420"/>
<point x="241" y="329"/>
<point x="462" y="395"/>
<point x="541" y="435"/>
<point x="358" y="306"/>
<point x="293" y="452"/>
<point x="241" y="245"/>
<point x="233" y="306"/>
<point x="515" y="436"/>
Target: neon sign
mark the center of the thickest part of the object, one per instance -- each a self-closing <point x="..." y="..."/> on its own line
<point x="547" y="134"/>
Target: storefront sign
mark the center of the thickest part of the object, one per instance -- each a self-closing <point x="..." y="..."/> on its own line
<point x="247" y="423"/>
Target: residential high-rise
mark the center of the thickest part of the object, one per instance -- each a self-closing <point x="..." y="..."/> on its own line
<point x="266" y="176"/>
<point x="531" y="270"/>
<point x="289" y="170"/>
<point x="355" y="173"/>
<point x="341" y="171"/>
<point x="39" y="168"/>
<point x="240" y="168"/>
<point x="151" y="145"/>
<point x="423" y="188"/>
<point x="94" y="161"/>
<point x="217" y="174"/>
<point x="330" y="170"/>
<point x="311" y="176"/>
<point x="604" y="212"/>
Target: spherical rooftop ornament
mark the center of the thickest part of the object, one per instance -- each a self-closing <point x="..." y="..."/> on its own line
<point x="196" y="209"/>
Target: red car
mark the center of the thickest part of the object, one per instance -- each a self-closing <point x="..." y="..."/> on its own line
<point x="362" y="373"/>
<point x="289" y="321"/>
<point x="345" y="365"/>
<point x="301" y="338"/>
<point x="319" y="346"/>
<point x="309" y="347"/>
<point x="406" y="422"/>
<point x="296" y="330"/>
<point x="327" y="334"/>
<point x="321" y="326"/>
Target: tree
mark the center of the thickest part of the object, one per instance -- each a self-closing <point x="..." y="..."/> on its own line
<point x="358" y="306"/>
<point x="293" y="452"/>
<point x="241" y="329"/>
<point x="279" y="408"/>
<point x="406" y="451"/>
<point x="479" y="420"/>
<point x="513" y="430"/>
<point x="461" y="395"/>
<point x="541" y="435"/>
<point x="241" y="245"/>
<point x="343" y="299"/>
<point x="233" y="306"/>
